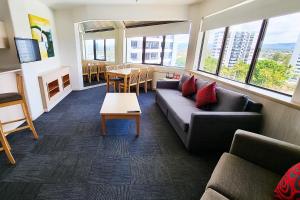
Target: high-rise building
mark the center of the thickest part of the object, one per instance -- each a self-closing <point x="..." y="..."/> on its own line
<point x="295" y="59"/>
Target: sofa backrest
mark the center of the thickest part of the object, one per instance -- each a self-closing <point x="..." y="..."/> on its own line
<point x="252" y="106"/>
<point x="229" y="101"/>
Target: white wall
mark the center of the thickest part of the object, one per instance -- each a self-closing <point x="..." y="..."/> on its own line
<point x="8" y="57"/>
<point x="66" y="18"/>
<point x="19" y="14"/>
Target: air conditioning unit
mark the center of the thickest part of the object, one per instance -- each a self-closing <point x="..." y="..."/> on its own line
<point x="3" y="37"/>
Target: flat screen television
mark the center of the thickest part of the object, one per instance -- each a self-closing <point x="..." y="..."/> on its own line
<point x="28" y="50"/>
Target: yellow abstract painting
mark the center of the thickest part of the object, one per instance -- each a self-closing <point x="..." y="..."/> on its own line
<point x="41" y="31"/>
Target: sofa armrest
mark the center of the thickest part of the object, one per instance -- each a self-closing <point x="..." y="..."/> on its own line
<point x="167" y="84"/>
<point x="272" y="154"/>
<point x="215" y="130"/>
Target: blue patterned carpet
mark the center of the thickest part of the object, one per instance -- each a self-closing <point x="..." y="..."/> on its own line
<point x="71" y="160"/>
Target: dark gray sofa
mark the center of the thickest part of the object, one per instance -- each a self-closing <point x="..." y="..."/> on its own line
<point x="214" y="127"/>
<point x="252" y="169"/>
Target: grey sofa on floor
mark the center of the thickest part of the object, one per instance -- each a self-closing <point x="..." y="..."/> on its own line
<point x="252" y="169"/>
<point x="210" y="129"/>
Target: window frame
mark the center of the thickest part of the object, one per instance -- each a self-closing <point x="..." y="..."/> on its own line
<point x="162" y="55"/>
<point x="94" y="50"/>
<point x="254" y="59"/>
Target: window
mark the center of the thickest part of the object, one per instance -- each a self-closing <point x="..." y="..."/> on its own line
<point x="89" y="49"/>
<point x="134" y="49"/>
<point x="154" y="48"/>
<point x="110" y="50"/>
<point x="263" y="53"/>
<point x="211" y="50"/>
<point x="176" y="50"/>
<point x="278" y="66"/>
<point x="169" y="50"/>
<point x="239" y="49"/>
<point x="100" y="49"/>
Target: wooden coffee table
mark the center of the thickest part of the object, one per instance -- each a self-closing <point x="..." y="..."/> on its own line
<point x="120" y="106"/>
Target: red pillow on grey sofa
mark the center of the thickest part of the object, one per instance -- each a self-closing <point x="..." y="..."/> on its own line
<point x="189" y="87"/>
<point x="288" y="187"/>
<point x="206" y="95"/>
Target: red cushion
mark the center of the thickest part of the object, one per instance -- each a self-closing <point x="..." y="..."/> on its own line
<point x="189" y="87"/>
<point x="288" y="187"/>
<point x="206" y="95"/>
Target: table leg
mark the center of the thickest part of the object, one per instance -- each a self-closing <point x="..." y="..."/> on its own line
<point x="138" y="124"/>
<point x="103" y="125"/>
<point x="125" y="84"/>
<point x="107" y="82"/>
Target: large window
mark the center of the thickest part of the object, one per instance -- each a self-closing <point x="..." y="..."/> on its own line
<point x="261" y="53"/>
<point x="278" y="64"/>
<point x="153" y="50"/>
<point x="134" y="49"/>
<point x="211" y="49"/>
<point x="89" y="49"/>
<point x="239" y="49"/>
<point x="101" y="49"/>
<point x="176" y="50"/>
<point x="169" y="50"/>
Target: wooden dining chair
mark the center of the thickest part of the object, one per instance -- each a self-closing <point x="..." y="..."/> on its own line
<point x="101" y="70"/>
<point x="133" y="81"/>
<point x="86" y="72"/>
<point x="150" y="77"/>
<point x="11" y="99"/>
<point x="114" y="80"/>
<point x="143" y="78"/>
<point x="94" y="71"/>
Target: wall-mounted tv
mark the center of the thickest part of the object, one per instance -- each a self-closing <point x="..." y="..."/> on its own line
<point x="28" y="50"/>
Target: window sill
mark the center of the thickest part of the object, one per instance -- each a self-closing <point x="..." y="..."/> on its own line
<point x="273" y="96"/>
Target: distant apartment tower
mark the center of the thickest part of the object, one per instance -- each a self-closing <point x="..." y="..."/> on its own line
<point x="153" y="50"/>
<point x="295" y="59"/>
<point x="239" y="46"/>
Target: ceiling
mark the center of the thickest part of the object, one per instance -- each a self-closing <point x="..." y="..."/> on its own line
<point x="56" y="4"/>
<point x="92" y="26"/>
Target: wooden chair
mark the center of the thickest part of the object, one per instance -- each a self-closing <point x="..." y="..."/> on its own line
<point x="114" y="80"/>
<point x="143" y="78"/>
<point x="150" y="77"/>
<point x="86" y="72"/>
<point x="101" y="70"/>
<point x="11" y="99"/>
<point x="132" y="81"/>
<point x="94" y="71"/>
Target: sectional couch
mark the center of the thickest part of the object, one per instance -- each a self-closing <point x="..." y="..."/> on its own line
<point x="252" y="168"/>
<point x="210" y="128"/>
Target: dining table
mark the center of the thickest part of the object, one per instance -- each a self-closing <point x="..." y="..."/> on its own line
<point x="121" y="73"/>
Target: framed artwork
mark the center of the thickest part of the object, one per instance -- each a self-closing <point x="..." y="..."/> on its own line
<point x="41" y="31"/>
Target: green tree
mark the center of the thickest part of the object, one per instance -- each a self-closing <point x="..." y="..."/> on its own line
<point x="282" y="58"/>
<point x="271" y="74"/>
<point x="210" y="64"/>
<point x="237" y="72"/>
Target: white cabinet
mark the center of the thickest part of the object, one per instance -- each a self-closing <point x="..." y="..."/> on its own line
<point x="55" y="85"/>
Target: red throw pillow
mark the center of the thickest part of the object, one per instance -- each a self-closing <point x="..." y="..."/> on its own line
<point x="206" y="95"/>
<point x="189" y="87"/>
<point x="288" y="187"/>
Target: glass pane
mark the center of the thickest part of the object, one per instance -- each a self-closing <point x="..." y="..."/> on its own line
<point x="176" y="50"/>
<point x="153" y="49"/>
<point x="278" y="65"/>
<point x="134" y="49"/>
<point x="110" y="50"/>
<point x="100" y="50"/>
<point x="239" y="48"/>
<point x="89" y="49"/>
<point x="211" y="50"/>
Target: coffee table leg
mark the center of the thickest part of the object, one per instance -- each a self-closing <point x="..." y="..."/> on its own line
<point x="137" y="121"/>
<point x="103" y="125"/>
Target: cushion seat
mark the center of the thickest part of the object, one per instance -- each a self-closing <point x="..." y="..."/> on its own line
<point x="181" y="114"/>
<point x="236" y="178"/>
<point x="212" y="194"/>
<point x="9" y="97"/>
